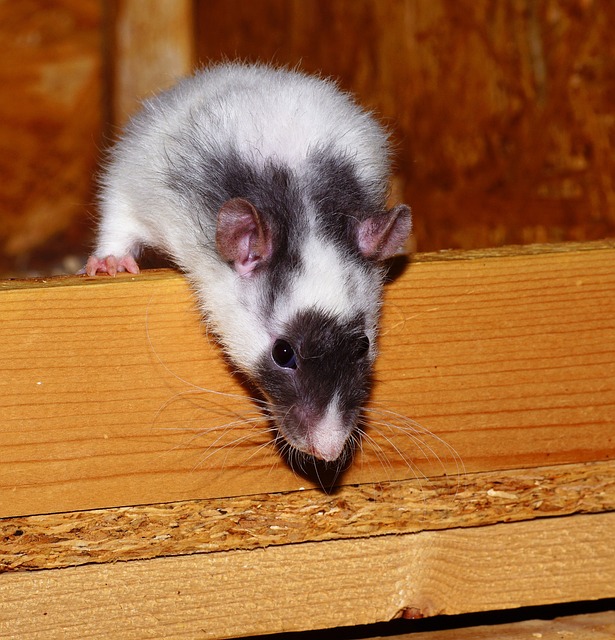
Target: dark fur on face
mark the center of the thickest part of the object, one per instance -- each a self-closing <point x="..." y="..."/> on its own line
<point x="334" y="361"/>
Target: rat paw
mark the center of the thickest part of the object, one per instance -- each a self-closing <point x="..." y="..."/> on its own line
<point x="111" y="265"/>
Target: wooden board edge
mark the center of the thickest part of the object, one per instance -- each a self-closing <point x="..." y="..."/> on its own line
<point x="398" y="264"/>
<point x="509" y="251"/>
<point x="427" y="381"/>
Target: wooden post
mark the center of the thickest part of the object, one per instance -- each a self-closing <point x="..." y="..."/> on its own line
<point x="152" y="45"/>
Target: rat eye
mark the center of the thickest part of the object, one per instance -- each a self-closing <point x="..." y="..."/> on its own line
<point x="362" y="346"/>
<point x="284" y="355"/>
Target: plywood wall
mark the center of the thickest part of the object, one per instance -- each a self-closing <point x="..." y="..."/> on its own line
<point x="503" y="112"/>
<point x="70" y="73"/>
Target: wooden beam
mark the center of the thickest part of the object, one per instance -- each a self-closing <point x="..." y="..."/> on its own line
<point x="317" y="584"/>
<point x="152" y="46"/>
<point x="111" y="394"/>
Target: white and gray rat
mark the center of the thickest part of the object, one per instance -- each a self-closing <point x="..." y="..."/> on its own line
<point x="267" y="188"/>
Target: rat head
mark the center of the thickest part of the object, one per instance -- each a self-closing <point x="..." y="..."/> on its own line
<point x="317" y="375"/>
<point x="314" y="305"/>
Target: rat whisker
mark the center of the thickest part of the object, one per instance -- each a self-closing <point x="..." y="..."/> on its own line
<point x="264" y="445"/>
<point x="410" y="425"/>
<point x="382" y="458"/>
<point x="425" y="450"/>
<point x="410" y="464"/>
<point x="213" y="450"/>
<point x="419" y="436"/>
<point x="204" y="431"/>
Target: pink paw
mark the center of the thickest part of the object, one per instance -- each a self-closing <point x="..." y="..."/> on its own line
<point x="111" y="265"/>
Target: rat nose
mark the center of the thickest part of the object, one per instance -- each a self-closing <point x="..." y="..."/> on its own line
<point x="327" y="437"/>
<point x="322" y="436"/>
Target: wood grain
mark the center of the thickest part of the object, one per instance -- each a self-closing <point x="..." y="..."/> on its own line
<point x="525" y="155"/>
<point x="50" y="128"/>
<point x="54" y="541"/>
<point x="502" y="112"/>
<point x="317" y="585"/>
<point x="508" y="361"/>
<point x="152" y="47"/>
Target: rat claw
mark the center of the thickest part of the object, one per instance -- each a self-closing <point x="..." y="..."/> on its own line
<point x="110" y="265"/>
<point x="94" y="265"/>
<point x="129" y="264"/>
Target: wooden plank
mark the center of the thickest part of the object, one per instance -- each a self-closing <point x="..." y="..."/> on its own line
<point x="317" y="585"/>
<point x="153" y="46"/>
<point x="509" y="361"/>
<point x="247" y="522"/>
<point x="589" y="626"/>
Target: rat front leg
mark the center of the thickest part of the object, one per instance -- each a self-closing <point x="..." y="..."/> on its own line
<point x="119" y="237"/>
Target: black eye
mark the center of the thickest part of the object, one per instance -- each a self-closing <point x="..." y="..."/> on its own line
<point x="283" y="355"/>
<point x="362" y="346"/>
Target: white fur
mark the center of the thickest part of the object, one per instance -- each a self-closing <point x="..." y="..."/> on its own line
<point x="329" y="435"/>
<point x="233" y="308"/>
<point x="267" y="114"/>
<point x="283" y="114"/>
<point x="330" y="283"/>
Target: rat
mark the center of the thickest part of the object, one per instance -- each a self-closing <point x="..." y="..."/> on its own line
<point x="267" y="187"/>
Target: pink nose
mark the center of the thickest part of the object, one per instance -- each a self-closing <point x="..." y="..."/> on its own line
<point x="326" y="441"/>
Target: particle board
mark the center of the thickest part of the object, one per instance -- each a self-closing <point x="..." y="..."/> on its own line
<point x="54" y="541"/>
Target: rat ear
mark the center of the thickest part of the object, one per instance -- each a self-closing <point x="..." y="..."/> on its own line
<point x="242" y="236"/>
<point x="383" y="235"/>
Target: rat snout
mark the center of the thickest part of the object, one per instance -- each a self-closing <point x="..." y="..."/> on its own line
<point x="323" y="437"/>
<point x="326" y="445"/>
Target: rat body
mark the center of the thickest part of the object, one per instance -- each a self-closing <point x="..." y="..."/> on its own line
<point x="267" y="187"/>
